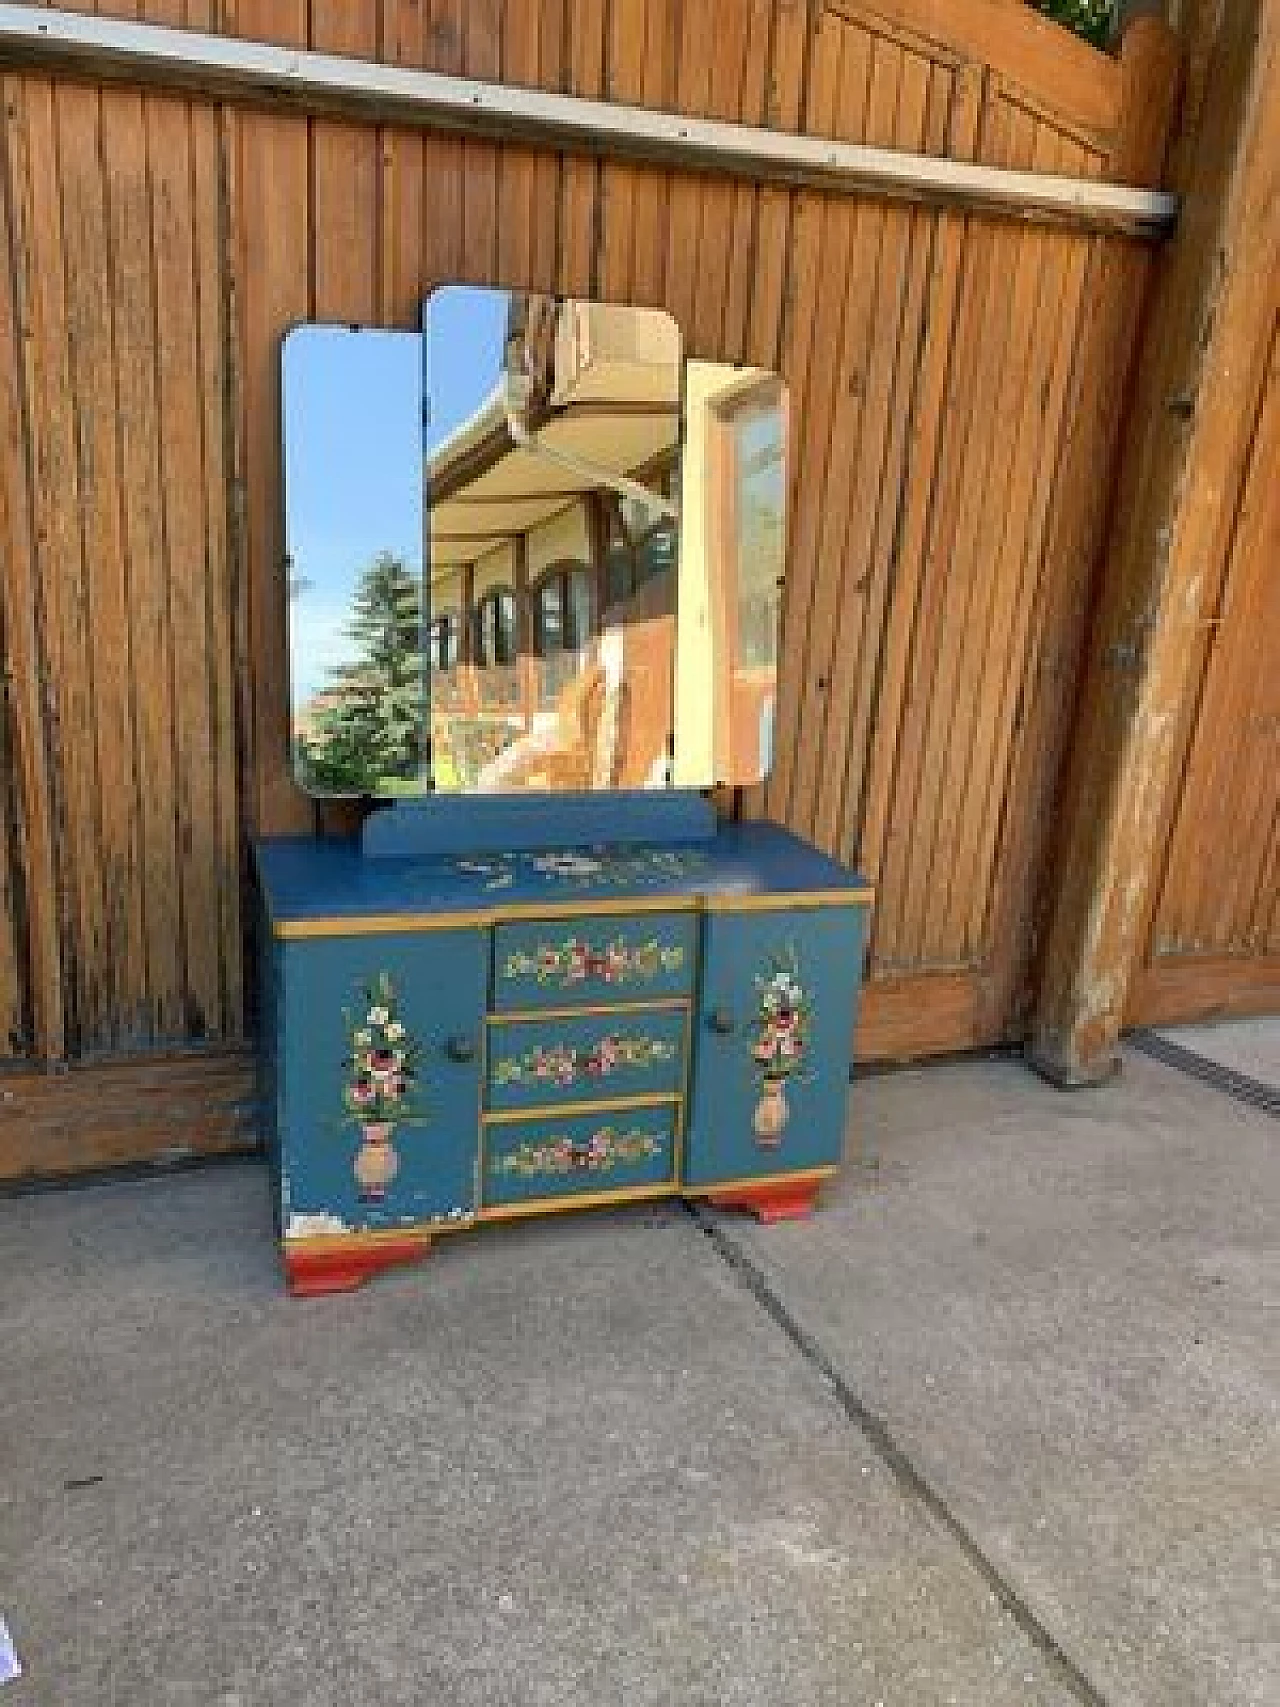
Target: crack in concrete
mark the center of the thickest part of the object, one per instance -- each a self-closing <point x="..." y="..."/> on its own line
<point x="909" y="1476"/>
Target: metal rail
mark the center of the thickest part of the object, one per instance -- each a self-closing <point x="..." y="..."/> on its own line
<point x="113" y="50"/>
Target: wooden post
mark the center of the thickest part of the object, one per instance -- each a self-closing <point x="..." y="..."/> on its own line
<point x="1214" y="302"/>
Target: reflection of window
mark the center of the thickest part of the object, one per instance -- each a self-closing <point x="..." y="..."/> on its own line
<point x="639" y="543"/>
<point x="758" y="543"/>
<point x="494" y="632"/>
<point x="444" y="641"/>
<point x="562" y="611"/>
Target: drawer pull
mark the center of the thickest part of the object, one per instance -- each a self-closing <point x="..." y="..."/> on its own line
<point x="721" y="1021"/>
<point x="460" y="1049"/>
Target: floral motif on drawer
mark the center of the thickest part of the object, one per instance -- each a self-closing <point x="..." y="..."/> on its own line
<point x="574" y="961"/>
<point x="564" y="1064"/>
<point x="605" y="1149"/>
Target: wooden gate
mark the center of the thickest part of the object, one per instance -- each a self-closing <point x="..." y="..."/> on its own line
<point x="957" y="385"/>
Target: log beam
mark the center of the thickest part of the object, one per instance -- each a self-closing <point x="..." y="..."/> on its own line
<point x="1213" y="308"/>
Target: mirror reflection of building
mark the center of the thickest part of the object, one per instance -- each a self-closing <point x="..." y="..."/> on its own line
<point x="571" y="578"/>
<point x="552" y="530"/>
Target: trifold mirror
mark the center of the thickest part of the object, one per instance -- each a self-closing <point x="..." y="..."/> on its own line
<point x="534" y="549"/>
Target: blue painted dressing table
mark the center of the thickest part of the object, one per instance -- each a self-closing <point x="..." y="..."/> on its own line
<point x="490" y="1008"/>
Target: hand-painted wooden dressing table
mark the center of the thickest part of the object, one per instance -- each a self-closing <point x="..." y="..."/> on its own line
<point x="490" y="1010"/>
<point x="535" y="566"/>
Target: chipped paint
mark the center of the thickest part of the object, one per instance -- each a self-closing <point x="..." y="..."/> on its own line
<point x="317" y="1224"/>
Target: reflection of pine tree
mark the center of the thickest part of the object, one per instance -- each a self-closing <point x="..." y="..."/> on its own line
<point x="370" y="730"/>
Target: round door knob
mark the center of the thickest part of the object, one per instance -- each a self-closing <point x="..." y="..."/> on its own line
<point x="721" y="1021"/>
<point x="460" y="1049"/>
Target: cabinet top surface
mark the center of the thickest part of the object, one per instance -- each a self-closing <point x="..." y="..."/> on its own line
<point x="305" y="880"/>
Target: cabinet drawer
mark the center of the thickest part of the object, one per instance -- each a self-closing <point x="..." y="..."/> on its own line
<point x="568" y="1057"/>
<point x="553" y="1156"/>
<point x="554" y="962"/>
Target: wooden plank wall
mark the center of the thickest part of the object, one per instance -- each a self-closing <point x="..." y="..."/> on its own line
<point x="956" y="385"/>
<point x="1214" y="944"/>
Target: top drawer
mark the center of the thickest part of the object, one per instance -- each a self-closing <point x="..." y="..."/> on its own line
<point x="593" y="959"/>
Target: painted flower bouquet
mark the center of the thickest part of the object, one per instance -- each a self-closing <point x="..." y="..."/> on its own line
<point x="381" y="1067"/>
<point x="784" y="1017"/>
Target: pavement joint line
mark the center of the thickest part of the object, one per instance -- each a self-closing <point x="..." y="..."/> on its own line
<point x="909" y="1476"/>
<point x="1254" y="1093"/>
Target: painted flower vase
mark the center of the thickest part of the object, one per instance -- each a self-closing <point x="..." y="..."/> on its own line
<point x="771" y="1113"/>
<point x="376" y="1163"/>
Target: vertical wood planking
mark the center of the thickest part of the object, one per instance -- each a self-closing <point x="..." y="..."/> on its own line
<point x="518" y="211"/>
<point x="272" y="218"/>
<point x="751" y="106"/>
<point x="773" y="278"/>
<point x="958" y="559"/>
<point x="225" y="582"/>
<point x="862" y="367"/>
<point x="859" y="668"/>
<point x="624" y="81"/>
<point x="110" y="661"/>
<point x="814" y="317"/>
<point x="483" y="58"/>
<point x="1004" y="491"/>
<point x="32" y="950"/>
<point x="881" y="836"/>
<point x="128" y="293"/>
<point x="1231" y="782"/>
<point x="1017" y="622"/>
<point x="722" y="244"/>
<point x="917" y="760"/>
<point x="932" y="588"/>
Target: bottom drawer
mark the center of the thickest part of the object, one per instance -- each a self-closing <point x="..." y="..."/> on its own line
<point x="564" y="1156"/>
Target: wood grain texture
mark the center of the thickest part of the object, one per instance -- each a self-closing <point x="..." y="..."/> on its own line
<point x="952" y="401"/>
<point x="31" y="974"/>
<point x="1186" y="464"/>
<point x="164" y="1108"/>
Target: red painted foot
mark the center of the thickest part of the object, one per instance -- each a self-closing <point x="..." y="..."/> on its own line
<point x="793" y="1201"/>
<point x="312" y="1271"/>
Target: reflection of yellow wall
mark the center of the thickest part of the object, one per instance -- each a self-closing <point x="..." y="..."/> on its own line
<point x="498" y="569"/>
<point x="563" y="536"/>
<point x="698" y="644"/>
<point x="446" y="591"/>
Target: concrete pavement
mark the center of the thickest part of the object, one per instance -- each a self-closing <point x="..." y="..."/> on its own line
<point x="1002" y="1424"/>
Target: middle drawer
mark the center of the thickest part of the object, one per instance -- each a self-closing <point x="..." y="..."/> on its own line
<point x="563" y="1056"/>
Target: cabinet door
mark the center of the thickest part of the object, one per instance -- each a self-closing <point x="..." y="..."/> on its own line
<point x="773" y="1042"/>
<point x="382" y="1059"/>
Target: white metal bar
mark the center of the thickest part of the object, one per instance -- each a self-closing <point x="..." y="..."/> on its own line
<point x="225" y="67"/>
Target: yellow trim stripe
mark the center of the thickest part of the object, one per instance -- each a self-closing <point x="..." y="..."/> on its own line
<point x="370" y="1239"/>
<point x="566" y="1110"/>
<point x="584" y="1200"/>
<point x="427" y="1230"/>
<point x="757" y="1182"/>
<point x="513" y="1016"/>
<point x="782" y="903"/>
<point x="385" y="924"/>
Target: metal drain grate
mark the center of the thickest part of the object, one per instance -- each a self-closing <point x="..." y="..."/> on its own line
<point x="1224" y="1079"/>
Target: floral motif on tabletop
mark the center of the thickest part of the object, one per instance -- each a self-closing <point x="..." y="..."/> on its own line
<point x="583" y="868"/>
<point x="576" y="961"/>
<point x="565" y="1063"/>
<point x="604" y="1150"/>
<point x="780" y="1049"/>
<point x="381" y="1079"/>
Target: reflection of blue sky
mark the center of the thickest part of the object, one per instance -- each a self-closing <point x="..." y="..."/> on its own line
<point x="353" y="479"/>
<point x="465" y="328"/>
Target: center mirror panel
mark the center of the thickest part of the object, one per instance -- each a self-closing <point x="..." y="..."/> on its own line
<point x="552" y="480"/>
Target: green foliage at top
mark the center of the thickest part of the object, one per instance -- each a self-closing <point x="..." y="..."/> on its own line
<point x="1088" y="18"/>
<point x="368" y="736"/>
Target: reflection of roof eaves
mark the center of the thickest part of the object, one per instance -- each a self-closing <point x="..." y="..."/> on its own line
<point x="453" y="462"/>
